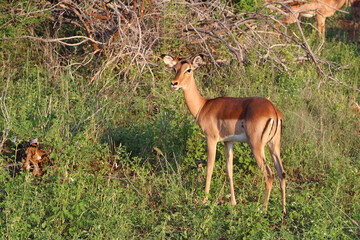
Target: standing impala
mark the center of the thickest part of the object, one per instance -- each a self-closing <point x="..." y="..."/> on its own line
<point x="319" y="8"/>
<point x="251" y="119"/>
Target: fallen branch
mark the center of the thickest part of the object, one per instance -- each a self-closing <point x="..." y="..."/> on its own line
<point x="128" y="34"/>
<point x="58" y="40"/>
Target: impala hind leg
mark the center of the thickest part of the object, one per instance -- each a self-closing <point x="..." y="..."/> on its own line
<point x="211" y="154"/>
<point x="229" y="152"/>
<point x="274" y="149"/>
<point x="259" y="155"/>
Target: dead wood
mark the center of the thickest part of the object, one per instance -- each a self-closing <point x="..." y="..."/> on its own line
<point x="130" y="31"/>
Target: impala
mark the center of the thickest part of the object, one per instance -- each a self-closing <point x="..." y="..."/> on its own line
<point x="355" y="10"/>
<point x="253" y="120"/>
<point x="319" y="8"/>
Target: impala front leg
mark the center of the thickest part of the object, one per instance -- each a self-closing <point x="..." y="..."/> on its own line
<point x="211" y="154"/>
<point x="321" y="25"/>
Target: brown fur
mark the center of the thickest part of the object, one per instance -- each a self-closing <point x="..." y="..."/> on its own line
<point x="322" y="9"/>
<point x="251" y="119"/>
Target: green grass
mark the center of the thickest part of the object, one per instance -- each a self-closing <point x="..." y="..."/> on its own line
<point x="129" y="161"/>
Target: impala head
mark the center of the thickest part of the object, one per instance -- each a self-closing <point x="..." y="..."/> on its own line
<point x="183" y="70"/>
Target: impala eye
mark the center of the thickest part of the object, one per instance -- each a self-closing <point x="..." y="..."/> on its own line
<point x="188" y="70"/>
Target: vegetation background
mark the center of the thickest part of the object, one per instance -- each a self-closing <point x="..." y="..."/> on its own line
<point x="128" y="160"/>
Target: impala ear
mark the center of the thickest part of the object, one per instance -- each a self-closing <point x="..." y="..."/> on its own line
<point x="197" y="61"/>
<point x="169" y="61"/>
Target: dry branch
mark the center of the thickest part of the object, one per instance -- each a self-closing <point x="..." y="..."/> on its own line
<point x="58" y="40"/>
<point x="129" y="32"/>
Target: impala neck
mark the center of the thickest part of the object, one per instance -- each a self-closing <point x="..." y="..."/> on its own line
<point x="193" y="99"/>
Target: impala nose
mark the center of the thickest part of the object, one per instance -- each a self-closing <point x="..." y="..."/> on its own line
<point x="174" y="84"/>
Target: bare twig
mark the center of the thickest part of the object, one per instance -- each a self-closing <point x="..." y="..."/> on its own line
<point x="58" y="40"/>
<point x="4" y="137"/>
<point x="127" y="33"/>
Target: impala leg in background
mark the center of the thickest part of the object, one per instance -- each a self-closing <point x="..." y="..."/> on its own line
<point x="229" y="152"/>
<point x="321" y="24"/>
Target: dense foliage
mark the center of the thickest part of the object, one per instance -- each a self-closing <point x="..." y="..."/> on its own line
<point x="128" y="160"/>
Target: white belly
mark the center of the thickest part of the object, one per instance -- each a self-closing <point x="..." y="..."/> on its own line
<point x="235" y="138"/>
<point x="308" y="14"/>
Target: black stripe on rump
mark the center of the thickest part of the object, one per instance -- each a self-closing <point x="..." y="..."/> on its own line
<point x="277" y="123"/>
<point x="266" y="126"/>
